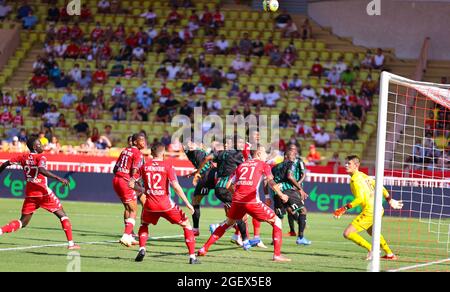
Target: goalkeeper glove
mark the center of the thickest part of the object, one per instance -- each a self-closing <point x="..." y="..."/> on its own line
<point x="397" y="205"/>
<point x="341" y="211"/>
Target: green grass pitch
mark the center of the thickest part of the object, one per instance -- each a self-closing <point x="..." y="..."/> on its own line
<point x="102" y="224"/>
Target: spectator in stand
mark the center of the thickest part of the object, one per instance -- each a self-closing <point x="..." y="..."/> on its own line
<point x="81" y="128"/>
<point x="62" y="123"/>
<point x="340" y="66"/>
<point x="244" y="95"/>
<point x="369" y="87"/>
<point x="306" y="30"/>
<point x="186" y="109"/>
<point x="118" y="110"/>
<point x="53" y="14"/>
<point x="322" y="139"/>
<point x="342" y="109"/>
<point x="314" y="157"/>
<point x="378" y="60"/>
<point x="7" y="99"/>
<point x="86" y="13"/>
<point x="351" y="130"/>
<point x="271" y="97"/>
<point x="18" y="119"/>
<point x="256" y="98"/>
<point x="39" y="107"/>
<point x="104" y="6"/>
<point x="294" y="118"/>
<point x="276" y="59"/>
<point x="222" y="45"/>
<point x="258" y="47"/>
<point x="54" y="147"/>
<point x="248" y="66"/>
<point x="199" y="89"/>
<point x="348" y="77"/>
<point x="43" y="139"/>
<point x="15" y="146"/>
<point x="282" y="20"/>
<point x="237" y="64"/>
<point x="334" y="161"/>
<point x="290" y="30"/>
<point x="245" y="45"/>
<point x="215" y="105"/>
<point x="23" y="137"/>
<point x="81" y="110"/>
<point x="357" y="112"/>
<point x="166" y="139"/>
<point x="139" y="54"/>
<point x="316" y="69"/>
<point x="162" y="114"/>
<point x="206" y="18"/>
<point x="5" y="10"/>
<point x="172" y="104"/>
<point x="322" y="110"/>
<point x="333" y="76"/>
<point x="100" y="76"/>
<point x="303" y="130"/>
<point x="39" y="80"/>
<point x="174" y="18"/>
<point x="51" y="117"/>
<point x="30" y="21"/>
<point x="296" y="83"/>
<point x="339" y="131"/>
<point x="150" y="17"/>
<point x="366" y="63"/>
<point x="293" y="141"/>
<point x="21" y="99"/>
<point x="308" y="92"/>
<point x="288" y="58"/>
<point x="6" y="118"/>
<point x="218" y="17"/>
<point x="284" y="118"/>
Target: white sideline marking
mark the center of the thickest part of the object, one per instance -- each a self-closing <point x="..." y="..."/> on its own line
<point x="419" y="266"/>
<point x="81" y="243"/>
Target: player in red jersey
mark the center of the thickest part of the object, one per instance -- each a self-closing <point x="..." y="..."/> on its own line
<point x="158" y="175"/>
<point x="127" y="166"/>
<point x="37" y="193"/>
<point x="247" y="179"/>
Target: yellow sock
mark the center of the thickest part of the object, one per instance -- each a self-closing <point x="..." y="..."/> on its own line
<point x="356" y="238"/>
<point x="384" y="246"/>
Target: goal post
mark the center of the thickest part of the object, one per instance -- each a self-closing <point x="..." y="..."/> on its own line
<point x="412" y="162"/>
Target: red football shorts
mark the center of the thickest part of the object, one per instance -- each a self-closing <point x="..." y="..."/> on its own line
<point x="259" y="211"/>
<point x="48" y="202"/>
<point x="174" y="216"/>
<point x="123" y="191"/>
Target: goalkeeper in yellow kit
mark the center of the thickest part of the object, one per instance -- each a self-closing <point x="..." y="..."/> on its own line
<point x="363" y="188"/>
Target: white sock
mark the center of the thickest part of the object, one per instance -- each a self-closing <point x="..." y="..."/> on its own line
<point x="71" y="243"/>
<point x="1" y="232"/>
<point x="192" y="256"/>
<point x="142" y="248"/>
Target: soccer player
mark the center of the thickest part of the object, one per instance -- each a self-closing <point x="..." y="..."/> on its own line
<point x="37" y="193"/>
<point x="157" y="175"/>
<point x="196" y="156"/>
<point x="227" y="162"/>
<point x="247" y="179"/>
<point x="127" y="166"/>
<point x="363" y="188"/>
<point x="288" y="175"/>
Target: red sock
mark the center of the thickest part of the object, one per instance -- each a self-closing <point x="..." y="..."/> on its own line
<point x="218" y="233"/>
<point x="12" y="226"/>
<point x="277" y="236"/>
<point x="256" y="227"/>
<point x="189" y="238"/>
<point x="143" y="235"/>
<point x="129" y="226"/>
<point x="67" y="227"/>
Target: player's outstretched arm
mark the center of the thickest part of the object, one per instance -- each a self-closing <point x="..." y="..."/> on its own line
<point x="47" y="173"/>
<point x="274" y="186"/>
<point x="4" y="165"/>
<point x="180" y="193"/>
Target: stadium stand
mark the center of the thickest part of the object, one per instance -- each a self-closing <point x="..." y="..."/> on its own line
<point x="260" y="64"/>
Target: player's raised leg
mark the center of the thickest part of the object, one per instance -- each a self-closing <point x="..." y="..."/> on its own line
<point x="16" y="225"/>
<point x="218" y="233"/>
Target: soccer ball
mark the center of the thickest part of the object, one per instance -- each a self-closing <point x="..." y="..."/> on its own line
<point x="270" y="5"/>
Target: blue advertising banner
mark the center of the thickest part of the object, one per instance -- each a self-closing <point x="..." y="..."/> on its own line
<point x="323" y="197"/>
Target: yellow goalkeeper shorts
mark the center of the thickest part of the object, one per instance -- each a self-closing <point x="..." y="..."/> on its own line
<point x="364" y="221"/>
